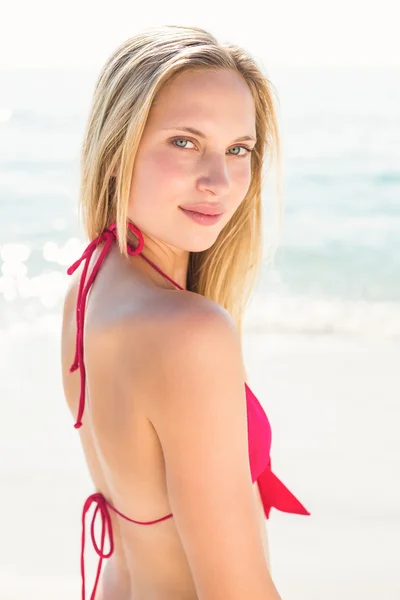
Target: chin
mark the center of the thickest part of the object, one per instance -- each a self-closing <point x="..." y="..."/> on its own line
<point x="199" y="247"/>
<point x="199" y="243"/>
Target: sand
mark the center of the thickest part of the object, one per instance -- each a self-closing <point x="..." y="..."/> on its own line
<point x="334" y="406"/>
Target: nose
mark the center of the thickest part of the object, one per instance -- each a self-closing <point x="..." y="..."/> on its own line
<point x="214" y="176"/>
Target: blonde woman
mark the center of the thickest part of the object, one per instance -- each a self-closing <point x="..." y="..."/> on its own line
<point x="177" y="445"/>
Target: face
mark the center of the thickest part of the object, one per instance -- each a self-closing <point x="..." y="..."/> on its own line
<point x="210" y="165"/>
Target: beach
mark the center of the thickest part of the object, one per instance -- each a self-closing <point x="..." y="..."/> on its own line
<point x="333" y="405"/>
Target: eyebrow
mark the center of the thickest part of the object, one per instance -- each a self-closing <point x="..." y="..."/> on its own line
<point x="202" y="135"/>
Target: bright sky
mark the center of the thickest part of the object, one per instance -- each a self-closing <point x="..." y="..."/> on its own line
<point x="50" y="33"/>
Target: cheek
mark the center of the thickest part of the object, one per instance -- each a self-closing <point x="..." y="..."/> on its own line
<point x="162" y="169"/>
<point x="241" y="177"/>
<point x="157" y="181"/>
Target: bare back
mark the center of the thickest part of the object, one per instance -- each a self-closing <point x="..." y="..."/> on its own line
<point x="122" y="448"/>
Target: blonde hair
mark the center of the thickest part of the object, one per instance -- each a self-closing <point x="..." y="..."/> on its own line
<point x="124" y="93"/>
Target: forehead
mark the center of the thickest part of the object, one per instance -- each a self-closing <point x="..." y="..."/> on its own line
<point x="220" y="96"/>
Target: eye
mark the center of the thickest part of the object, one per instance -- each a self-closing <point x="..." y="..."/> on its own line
<point x="184" y="140"/>
<point x="247" y="150"/>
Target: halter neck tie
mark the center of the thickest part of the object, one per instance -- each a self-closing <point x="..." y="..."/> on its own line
<point x="108" y="236"/>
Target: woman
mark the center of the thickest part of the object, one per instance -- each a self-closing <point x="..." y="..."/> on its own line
<point x="176" y="443"/>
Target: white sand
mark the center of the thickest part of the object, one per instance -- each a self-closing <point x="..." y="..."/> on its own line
<point x="334" y="405"/>
<point x="334" y="408"/>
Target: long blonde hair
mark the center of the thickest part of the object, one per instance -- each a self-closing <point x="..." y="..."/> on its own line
<point x="125" y="90"/>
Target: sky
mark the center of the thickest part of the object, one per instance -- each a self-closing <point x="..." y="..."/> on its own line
<point x="344" y="33"/>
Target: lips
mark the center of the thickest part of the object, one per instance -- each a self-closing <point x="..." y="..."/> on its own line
<point x="201" y="218"/>
<point x="204" y="209"/>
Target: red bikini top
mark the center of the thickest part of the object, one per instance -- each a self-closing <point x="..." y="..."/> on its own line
<point x="273" y="492"/>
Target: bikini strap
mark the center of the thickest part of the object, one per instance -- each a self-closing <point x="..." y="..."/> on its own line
<point x="106" y="531"/>
<point x="108" y="236"/>
<point x="102" y="509"/>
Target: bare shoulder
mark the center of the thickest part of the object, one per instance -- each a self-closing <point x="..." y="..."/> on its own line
<point x="185" y="327"/>
<point x="189" y="343"/>
<point x="190" y="317"/>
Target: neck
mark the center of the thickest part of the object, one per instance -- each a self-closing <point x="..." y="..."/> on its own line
<point x="172" y="263"/>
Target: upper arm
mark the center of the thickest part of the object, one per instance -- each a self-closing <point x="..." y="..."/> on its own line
<point x="197" y="406"/>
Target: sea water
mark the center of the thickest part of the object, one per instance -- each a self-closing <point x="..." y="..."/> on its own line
<point x="337" y="267"/>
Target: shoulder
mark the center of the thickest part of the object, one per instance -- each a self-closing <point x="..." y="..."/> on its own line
<point x="179" y="322"/>
<point x="192" y="314"/>
<point x="179" y="336"/>
<point x="190" y="344"/>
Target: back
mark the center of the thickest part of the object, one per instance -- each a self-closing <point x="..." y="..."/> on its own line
<point x="129" y="324"/>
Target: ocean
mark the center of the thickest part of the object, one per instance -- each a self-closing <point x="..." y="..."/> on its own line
<point x="337" y="267"/>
